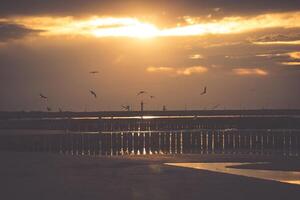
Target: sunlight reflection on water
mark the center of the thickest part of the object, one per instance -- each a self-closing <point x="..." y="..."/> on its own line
<point x="291" y="177"/>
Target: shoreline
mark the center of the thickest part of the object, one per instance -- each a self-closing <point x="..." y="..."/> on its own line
<point x="58" y="176"/>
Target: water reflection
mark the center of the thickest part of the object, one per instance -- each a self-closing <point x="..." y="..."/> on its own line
<point x="201" y="141"/>
<point x="291" y="177"/>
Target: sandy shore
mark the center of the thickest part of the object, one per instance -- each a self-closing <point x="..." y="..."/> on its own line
<point x="51" y="176"/>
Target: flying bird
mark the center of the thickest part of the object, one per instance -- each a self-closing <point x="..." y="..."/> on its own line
<point x="164" y="108"/>
<point x="127" y="107"/>
<point x="141" y="92"/>
<point x="204" y="91"/>
<point x="216" y="106"/>
<point x="43" y="96"/>
<point x="93" y="93"/>
<point x="152" y="97"/>
<point x="94" y="72"/>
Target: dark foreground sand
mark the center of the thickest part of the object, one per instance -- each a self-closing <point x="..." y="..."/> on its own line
<point x="39" y="176"/>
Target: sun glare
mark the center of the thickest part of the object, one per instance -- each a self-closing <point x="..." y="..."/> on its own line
<point x="136" y="28"/>
<point x="139" y="30"/>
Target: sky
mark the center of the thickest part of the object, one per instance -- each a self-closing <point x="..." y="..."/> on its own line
<point x="247" y="54"/>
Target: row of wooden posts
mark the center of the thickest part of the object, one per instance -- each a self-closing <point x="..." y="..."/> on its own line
<point x="285" y="142"/>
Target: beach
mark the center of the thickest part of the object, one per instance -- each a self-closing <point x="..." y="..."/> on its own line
<point x="57" y="176"/>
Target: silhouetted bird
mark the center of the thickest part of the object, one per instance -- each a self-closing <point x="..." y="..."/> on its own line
<point x="93" y="93"/>
<point x="94" y="72"/>
<point x="141" y="92"/>
<point x="43" y="96"/>
<point x="127" y="107"/>
<point x="152" y="97"/>
<point x="204" y="91"/>
<point x="48" y="109"/>
<point x="216" y="106"/>
<point x="164" y="108"/>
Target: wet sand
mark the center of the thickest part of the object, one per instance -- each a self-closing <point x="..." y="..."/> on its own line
<point x="53" y="176"/>
<point x="291" y="177"/>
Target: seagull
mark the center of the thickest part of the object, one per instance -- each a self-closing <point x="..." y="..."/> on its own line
<point x="164" y="108"/>
<point x="93" y="93"/>
<point x="216" y="106"/>
<point x="48" y="109"/>
<point x="204" y="91"/>
<point x="141" y="92"/>
<point x="94" y="72"/>
<point x="43" y="96"/>
<point x="127" y="108"/>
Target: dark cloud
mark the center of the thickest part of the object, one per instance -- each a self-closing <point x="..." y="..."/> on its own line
<point x="278" y="37"/>
<point x="10" y="31"/>
<point x="136" y="7"/>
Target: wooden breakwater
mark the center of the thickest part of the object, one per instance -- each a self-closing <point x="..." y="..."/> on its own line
<point x="261" y="142"/>
<point x="128" y="133"/>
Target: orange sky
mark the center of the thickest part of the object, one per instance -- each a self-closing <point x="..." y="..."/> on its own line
<point x="248" y="57"/>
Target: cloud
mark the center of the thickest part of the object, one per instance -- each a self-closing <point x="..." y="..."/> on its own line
<point x="271" y="55"/>
<point x="192" y="70"/>
<point x="295" y="42"/>
<point x="217" y="9"/>
<point x="10" y="31"/>
<point x="232" y="25"/>
<point x="98" y="26"/>
<point x="277" y="39"/>
<point x="160" y="69"/>
<point x="248" y="71"/>
<point x="186" y="71"/>
<point x="285" y="58"/>
<point x="145" y="7"/>
<point x="294" y="55"/>
<point x="196" y="56"/>
<point x="91" y="26"/>
<point x="291" y="63"/>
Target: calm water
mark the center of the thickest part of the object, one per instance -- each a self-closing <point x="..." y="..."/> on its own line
<point x="197" y="141"/>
